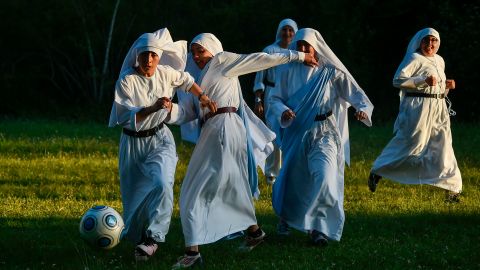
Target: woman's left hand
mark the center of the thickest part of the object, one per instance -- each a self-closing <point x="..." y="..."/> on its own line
<point x="361" y="115"/>
<point x="450" y="84"/>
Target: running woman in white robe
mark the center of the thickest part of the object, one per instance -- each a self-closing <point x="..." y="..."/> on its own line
<point x="309" y="105"/>
<point x="147" y="156"/>
<point x="264" y="82"/>
<point x="421" y="150"/>
<point x="216" y="198"/>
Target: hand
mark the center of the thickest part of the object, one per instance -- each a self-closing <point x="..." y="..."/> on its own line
<point x="259" y="110"/>
<point x="163" y="103"/>
<point x="206" y="102"/>
<point x="450" y="84"/>
<point x="287" y="115"/>
<point x="361" y="115"/>
<point x="310" y="60"/>
<point x="431" y="80"/>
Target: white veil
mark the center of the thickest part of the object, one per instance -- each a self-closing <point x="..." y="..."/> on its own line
<point x="171" y="53"/>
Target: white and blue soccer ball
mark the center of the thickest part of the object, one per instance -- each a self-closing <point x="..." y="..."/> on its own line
<point x="101" y="227"/>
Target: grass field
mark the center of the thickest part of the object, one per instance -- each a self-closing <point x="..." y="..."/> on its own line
<point x="52" y="172"/>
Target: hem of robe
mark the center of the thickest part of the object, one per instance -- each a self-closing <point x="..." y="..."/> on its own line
<point x="220" y="236"/>
<point x="304" y="228"/>
<point x="158" y="237"/>
<point x="437" y="182"/>
<point x="133" y="231"/>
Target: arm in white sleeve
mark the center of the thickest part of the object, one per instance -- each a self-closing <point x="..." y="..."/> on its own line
<point x="258" y="83"/>
<point x="183" y="112"/>
<point x="404" y="78"/>
<point x="181" y="79"/>
<point x="240" y="64"/>
<point x="349" y="90"/>
<point x="124" y="112"/>
<point x="278" y="99"/>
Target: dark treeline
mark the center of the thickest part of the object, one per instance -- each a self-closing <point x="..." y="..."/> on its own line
<point x="54" y="60"/>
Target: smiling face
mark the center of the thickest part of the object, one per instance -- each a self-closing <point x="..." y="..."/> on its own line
<point x="147" y="63"/>
<point x="303" y="46"/>
<point x="428" y="46"/>
<point x="286" y="35"/>
<point x="200" y="55"/>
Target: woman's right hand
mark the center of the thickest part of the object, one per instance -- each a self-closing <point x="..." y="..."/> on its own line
<point x="206" y="102"/>
<point x="287" y="115"/>
<point x="163" y="103"/>
<point x="431" y="80"/>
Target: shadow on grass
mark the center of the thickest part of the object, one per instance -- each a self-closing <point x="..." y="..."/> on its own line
<point x="426" y="241"/>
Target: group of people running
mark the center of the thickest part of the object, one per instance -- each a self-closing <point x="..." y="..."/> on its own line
<point x="297" y="133"/>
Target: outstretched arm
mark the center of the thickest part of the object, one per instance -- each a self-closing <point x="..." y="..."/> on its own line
<point x="240" y="64"/>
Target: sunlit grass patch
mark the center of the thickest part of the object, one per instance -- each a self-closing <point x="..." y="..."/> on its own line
<point x="52" y="172"/>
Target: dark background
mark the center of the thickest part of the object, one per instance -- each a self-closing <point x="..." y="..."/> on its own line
<point x="53" y="52"/>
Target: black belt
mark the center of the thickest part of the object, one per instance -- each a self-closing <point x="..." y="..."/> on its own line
<point x="143" y="133"/>
<point x="425" y="95"/>
<point x="322" y="117"/>
<point x="219" y="111"/>
<point x="268" y="83"/>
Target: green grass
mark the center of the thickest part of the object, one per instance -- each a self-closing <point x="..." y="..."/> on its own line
<point x="52" y="172"/>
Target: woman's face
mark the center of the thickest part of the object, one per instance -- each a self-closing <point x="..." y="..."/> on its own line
<point x="200" y="55"/>
<point x="303" y="46"/>
<point x="148" y="62"/>
<point x="428" y="45"/>
<point x="286" y="34"/>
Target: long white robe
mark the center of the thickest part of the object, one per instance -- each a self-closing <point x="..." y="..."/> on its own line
<point x="146" y="165"/>
<point x="216" y="198"/>
<point x="421" y="150"/>
<point x="308" y="194"/>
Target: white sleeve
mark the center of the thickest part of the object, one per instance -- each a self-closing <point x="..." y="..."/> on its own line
<point x="258" y="83"/>
<point x="183" y="112"/>
<point x="404" y="78"/>
<point x="278" y="98"/>
<point x="347" y="89"/>
<point x="240" y="64"/>
<point x="180" y="79"/>
<point x="123" y="110"/>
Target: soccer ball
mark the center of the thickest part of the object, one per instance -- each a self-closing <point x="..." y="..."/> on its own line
<point x="101" y="227"/>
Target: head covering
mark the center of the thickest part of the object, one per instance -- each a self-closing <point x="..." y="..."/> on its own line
<point x="413" y="46"/>
<point x="324" y="52"/>
<point x="171" y="53"/>
<point x="283" y="23"/>
<point x="208" y="41"/>
<point x="417" y="39"/>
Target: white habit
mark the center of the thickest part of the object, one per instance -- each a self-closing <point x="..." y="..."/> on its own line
<point x="421" y="150"/>
<point x="216" y="197"/>
<point x="147" y="164"/>
<point x="308" y="194"/>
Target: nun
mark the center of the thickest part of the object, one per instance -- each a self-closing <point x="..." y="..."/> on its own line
<point x="421" y="150"/>
<point x="308" y="107"/>
<point x="216" y="197"/>
<point x="147" y="158"/>
<point x="264" y="82"/>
